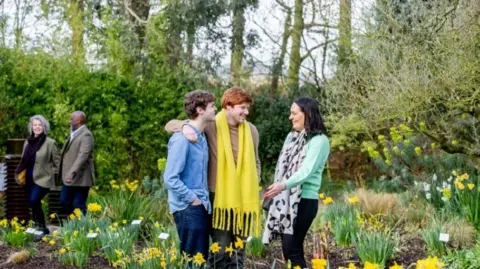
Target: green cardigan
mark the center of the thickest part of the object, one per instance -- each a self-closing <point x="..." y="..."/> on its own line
<point x="310" y="173"/>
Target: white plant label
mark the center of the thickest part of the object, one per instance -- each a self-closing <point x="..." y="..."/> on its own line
<point x="30" y="230"/>
<point x="137" y="222"/>
<point x="38" y="233"/>
<point x="92" y="235"/>
<point x="249" y="238"/>
<point x="444" y="237"/>
<point x="163" y="236"/>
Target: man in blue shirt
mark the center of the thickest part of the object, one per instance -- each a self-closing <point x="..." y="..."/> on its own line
<point x="186" y="176"/>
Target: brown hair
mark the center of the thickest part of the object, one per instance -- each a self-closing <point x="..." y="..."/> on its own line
<point x="236" y="96"/>
<point x="194" y="99"/>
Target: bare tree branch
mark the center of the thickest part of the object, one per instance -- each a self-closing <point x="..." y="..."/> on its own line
<point x="133" y="13"/>
<point x="309" y="51"/>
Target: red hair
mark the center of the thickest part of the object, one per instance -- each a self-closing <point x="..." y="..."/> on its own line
<point x="235" y="96"/>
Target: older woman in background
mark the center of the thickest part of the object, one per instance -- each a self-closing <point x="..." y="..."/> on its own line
<point x="40" y="160"/>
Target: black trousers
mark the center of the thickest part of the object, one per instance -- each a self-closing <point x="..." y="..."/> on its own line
<point x="222" y="260"/>
<point x="292" y="245"/>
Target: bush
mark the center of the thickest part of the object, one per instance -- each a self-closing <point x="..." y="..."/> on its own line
<point x="372" y="203"/>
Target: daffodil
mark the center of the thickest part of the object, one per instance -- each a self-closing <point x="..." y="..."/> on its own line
<point x="52" y="242"/>
<point x="215" y="248"/>
<point x="321" y="195"/>
<point x="471" y="186"/>
<point x="327" y="200"/>
<point x="369" y="265"/>
<point x="239" y="243"/>
<point x="353" y="200"/>
<point x="52" y="216"/>
<point x="94" y="207"/>
<point x="459" y="185"/>
<point x="77" y="212"/>
<point x="62" y="251"/>
<point x="229" y="249"/>
<point x="75" y="233"/>
<point x="198" y="259"/>
<point x="429" y="263"/>
<point x="319" y="263"/>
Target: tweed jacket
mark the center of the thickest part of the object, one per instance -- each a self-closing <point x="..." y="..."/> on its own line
<point x="77" y="159"/>
<point x="46" y="164"/>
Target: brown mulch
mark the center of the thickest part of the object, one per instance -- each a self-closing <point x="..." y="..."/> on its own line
<point x="408" y="253"/>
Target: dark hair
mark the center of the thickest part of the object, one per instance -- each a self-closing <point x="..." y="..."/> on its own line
<point x="194" y="99"/>
<point x="313" y="119"/>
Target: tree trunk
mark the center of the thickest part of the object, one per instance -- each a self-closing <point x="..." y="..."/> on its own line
<point x="295" y="58"/>
<point x="142" y="10"/>
<point x="278" y="66"/>
<point x="75" y="20"/>
<point x="190" y="42"/>
<point x="345" y="33"/>
<point x="238" y="47"/>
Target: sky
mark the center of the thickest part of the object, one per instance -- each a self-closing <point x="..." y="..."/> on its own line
<point x="266" y="21"/>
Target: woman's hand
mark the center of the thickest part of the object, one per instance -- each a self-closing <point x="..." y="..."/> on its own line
<point x="274" y="189"/>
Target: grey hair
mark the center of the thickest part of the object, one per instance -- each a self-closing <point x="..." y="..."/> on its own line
<point x="42" y="120"/>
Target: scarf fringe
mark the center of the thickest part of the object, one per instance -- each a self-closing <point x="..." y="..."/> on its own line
<point x="243" y="222"/>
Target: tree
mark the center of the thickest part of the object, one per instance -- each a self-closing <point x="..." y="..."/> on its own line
<point x="295" y="58"/>
<point x="427" y="78"/>
<point x="345" y="33"/>
<point x="238" y="8"/>
<point x="75" y="18"/>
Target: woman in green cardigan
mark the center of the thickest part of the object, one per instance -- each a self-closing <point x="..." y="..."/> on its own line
<point x="40" y="161"/>
<point x="298" y="176"/>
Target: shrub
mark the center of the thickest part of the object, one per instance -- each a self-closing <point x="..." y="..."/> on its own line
<point x="372" y="203"/>
<point x="462" y="234"/>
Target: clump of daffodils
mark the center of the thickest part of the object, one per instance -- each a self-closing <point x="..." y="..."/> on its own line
<point x="429" y="263"/>
<point x="94" y="207"/>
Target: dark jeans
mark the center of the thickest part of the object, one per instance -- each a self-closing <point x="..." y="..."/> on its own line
<point x="192" y="227"/>
<point x="292" y="245"/>
<point x="35" y="195"/>
<point x="222" y="260"/>
<point x="72" y="197"/>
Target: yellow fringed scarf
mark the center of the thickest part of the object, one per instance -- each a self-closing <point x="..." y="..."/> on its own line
<point x="236" y="191"/>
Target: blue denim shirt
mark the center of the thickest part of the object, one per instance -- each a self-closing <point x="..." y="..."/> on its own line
<point x="186" y="172"/>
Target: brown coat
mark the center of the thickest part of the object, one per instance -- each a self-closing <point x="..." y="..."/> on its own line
<point x="46" y="165"/>
<point x="77" y="159"/>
